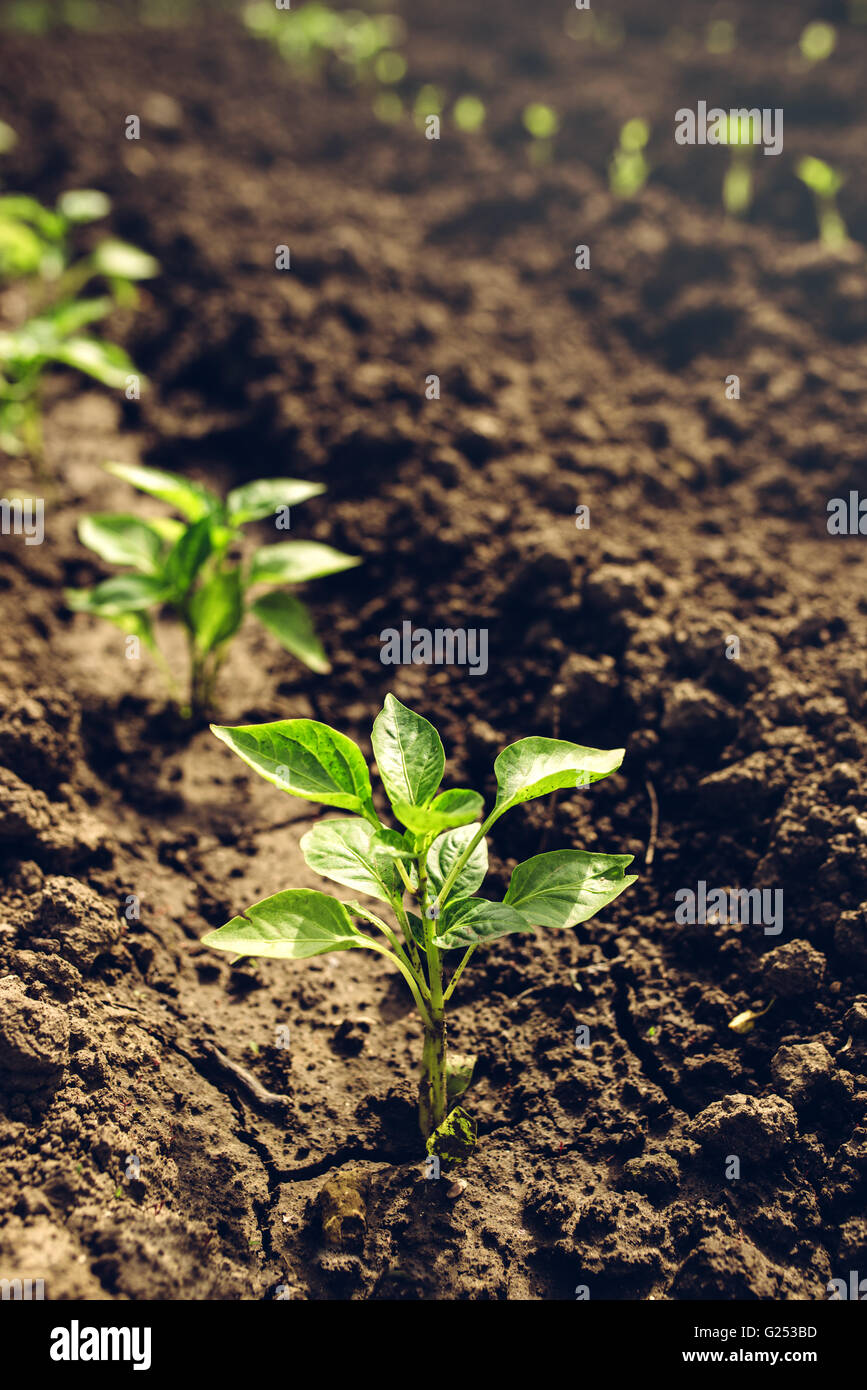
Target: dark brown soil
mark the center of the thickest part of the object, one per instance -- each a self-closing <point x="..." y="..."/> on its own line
<point x="603" y="1167"/>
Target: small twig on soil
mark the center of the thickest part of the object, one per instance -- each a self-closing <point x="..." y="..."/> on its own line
<point x="654" y="824"/>
<point x="245" y="1079"/>
<point x="524" y="993"/>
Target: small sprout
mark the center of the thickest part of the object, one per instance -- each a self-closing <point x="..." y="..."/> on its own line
<point x="543" y="124"/>
<point x="738" y="181"/>
<point x="608" y="31"/>
<point x="541" y="121"/>
<point x="628" y="170"/>
<point x="824" y="183"/>
<point x="720" y="36"/>
<point x="8" y="138"/>
<point x="36" y="251"/>
<point x="468" y="113"/>
<point x="188" y="567"/>
<point x="388" y="107"/>
<point x="745" y="1022"/>
<point x="818" y="41"/>
<point x="428" y="102"/>
<point x="578" y="25"/>
<point x="438" y="856"/>
<point x="389" y="67"/>
<point x="315" y="38"/>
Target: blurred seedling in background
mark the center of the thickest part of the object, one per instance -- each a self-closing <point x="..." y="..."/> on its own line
<point x="824" y="183"/>
<point x="194" y="568"/>
<point x="438" y="859"/>
<point x="542" y="123"/>
<point x="817" y="42"/>
<point x="428" y="102"/>
<point x="40" y="16"/>
<point x="347" y="45"/>
<point x="628" y="170"/>
<point x="48" y="295"/>
<point x="737" y="191"/>
<point x="720" y="36"/>
<point x="468" y="114"/>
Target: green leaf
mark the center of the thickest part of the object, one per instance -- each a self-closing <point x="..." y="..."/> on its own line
<point x="135" y="624"/>
<point x="454" y="1140"/>
<point x="121" y="540"/>
<point x="471" y="921"/>
<point x="534" y="766"/>
<point x="444" y="854"/>
<point x="72" y="317"/>
<point x="168" y="528"/>
<point x="191" y="499"/>
<point x="126" y="593"/>
<point x="217" y="609"/>
<point x="119" y="260"/>
<point x="289" y="926"/>
<point x="83" y="205"/>
<point x="448" y="810"/>
<point x="187" y="556"/>
<point x="567" y="886"/>
<point x="105" y="362"/>
<point x="15" y="207"/>
<point x="304" y="758"/>
<point x="265" y="496"/>
<point x="294" y="562"/>
<point x="290" y="621"/>
<point x="408" y="752"/>
<point x="21" y="249"/>
<point x="351" y="852"/>
<point x="459" y="1074"/>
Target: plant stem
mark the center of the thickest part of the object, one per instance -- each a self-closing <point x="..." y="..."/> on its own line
<point x="432" y="1087"/>
<point x="457" y="975"/>
<point x="443" y="894"/>
<point x="432" y="1097"/>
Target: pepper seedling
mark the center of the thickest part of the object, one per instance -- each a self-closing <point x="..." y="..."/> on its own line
<point x="737" y="193"/>
<point x="629" y="169"/>
<point x="194" y="568"/>
<point x="438" y="860"/>
<point x="36" y="253"/>
<point x="824" y="183"/>
<point x="318" y="39"/>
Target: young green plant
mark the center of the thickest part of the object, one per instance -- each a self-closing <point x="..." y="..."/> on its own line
<point x="824" y="183"/>
<point x="629" y="169"/>
<point x="193" y="566"/>
<point x="428" y="873"/>
<point x="36" y="251"/>
<point x="542" y="123"/>
<point x="737" y="190"/>
<point x="316" y="39"/>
